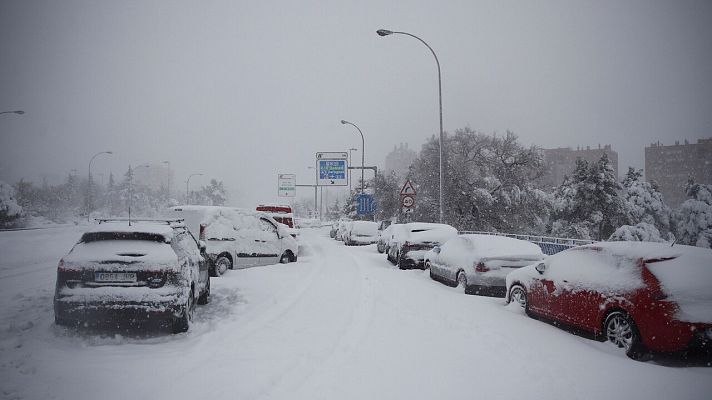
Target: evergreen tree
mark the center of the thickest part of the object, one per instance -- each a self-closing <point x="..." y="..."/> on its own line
<point x="589" y="205"/>
<point x="693" y="219"/>
<point x="644" y="203"/>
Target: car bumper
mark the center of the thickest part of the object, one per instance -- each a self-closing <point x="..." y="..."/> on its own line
<point x="486" y="284"/>
<point x="362" y="241"/>
<point x="74" y="308"/>
<point x="482" y="290"/>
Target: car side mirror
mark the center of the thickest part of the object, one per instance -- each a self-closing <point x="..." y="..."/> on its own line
<point x="436" y="249"/>
<point x="202" y="246"/>
<point x="540" y="268"/>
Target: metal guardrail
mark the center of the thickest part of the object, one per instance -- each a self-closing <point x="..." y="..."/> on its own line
<point x="549" y="245"/>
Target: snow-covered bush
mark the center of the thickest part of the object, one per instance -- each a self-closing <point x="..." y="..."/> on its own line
<point x="641" y="232"/>
<point x="10" y="211"/>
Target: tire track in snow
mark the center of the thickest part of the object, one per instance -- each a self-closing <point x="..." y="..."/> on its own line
<point x="304" y="378"/>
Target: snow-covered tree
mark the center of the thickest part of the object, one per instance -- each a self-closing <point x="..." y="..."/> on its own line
<point x="588" y="205"/>
<point x="644" y="203"/>
<point x="215" y="193"/>
<point x="693" y="219"/>
<point x="387" y="189"/>
<point x="10" y="211"/>
<point x="489" y="183"/>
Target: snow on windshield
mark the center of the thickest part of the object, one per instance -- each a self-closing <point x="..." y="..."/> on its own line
<point x="110" y="255"/>
<point x="466" y="250"/>
<point x="433" y="233"/>
<point x="365" y="228"/>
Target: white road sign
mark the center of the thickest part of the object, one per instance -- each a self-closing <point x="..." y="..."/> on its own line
<point x="287" y="185"/>
<point x="408" y="201"/>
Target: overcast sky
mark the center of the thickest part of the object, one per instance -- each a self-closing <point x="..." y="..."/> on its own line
<point x="244" y="90"/>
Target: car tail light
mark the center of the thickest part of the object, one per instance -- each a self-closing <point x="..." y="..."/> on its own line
<point x="68" y="277"/>
<point x="201" y="236"/>
<point x="481" y="267"/>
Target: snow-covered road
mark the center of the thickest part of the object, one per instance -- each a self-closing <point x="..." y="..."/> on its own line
<point x="341" y="323"/>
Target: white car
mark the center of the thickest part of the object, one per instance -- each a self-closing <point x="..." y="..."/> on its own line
<point x="238" y="238"/>
<point x="479" y="264"/>
<point x="343" y="224"/>
<point x="361" y="233"/>
<point x="411" y="241"/>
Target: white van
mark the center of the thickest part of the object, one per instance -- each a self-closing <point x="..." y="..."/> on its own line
<point x="236" y="237"/>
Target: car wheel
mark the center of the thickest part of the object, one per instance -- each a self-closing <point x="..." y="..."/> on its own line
<point x="620" y="330"/>
<point x="462" y="281"/>
<point x="182" y="323"/>
<point x="518" y="295"/>
<point x="205" y="297"/>
<point x="429" y="267"/>
<point x="222" y="264"/>
<point x="285" y="258"/>
<point x="400" y="261"/>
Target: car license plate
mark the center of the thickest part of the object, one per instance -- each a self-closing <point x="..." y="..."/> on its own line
<point x="115" y="277"/>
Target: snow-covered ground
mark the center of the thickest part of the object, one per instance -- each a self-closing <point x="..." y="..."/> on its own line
<point x="341" y="323"/>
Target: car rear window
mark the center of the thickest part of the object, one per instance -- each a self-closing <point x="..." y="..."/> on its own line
<point x="101" y="236"/>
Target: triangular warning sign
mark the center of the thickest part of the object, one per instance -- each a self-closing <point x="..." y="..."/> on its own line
<point x="408" y="189"/>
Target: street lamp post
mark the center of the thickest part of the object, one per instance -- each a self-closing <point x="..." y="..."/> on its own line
<point x="385" y="32"/>
<point x="350" y="150"/>
<point x="18" y="112"/>
<point x="363" y="148"/>
<point x="89" y="181"/>
<point x="168" y="178"/>
<point x="187" y="183"/>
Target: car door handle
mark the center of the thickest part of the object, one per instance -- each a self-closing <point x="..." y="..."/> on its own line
<point x="565" y="281"/>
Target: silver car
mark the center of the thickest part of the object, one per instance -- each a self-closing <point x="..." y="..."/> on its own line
<point x="479" y="264"/>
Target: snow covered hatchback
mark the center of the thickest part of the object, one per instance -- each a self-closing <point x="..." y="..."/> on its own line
<point x="411" y="241"/>
<point x="360" y="233"/>
<point x="478" y="264"/>
<point x="120" y="273"/>
<point x="640" y="296"/>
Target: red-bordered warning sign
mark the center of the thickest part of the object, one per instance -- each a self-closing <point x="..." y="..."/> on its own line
<point x="408" y="189"/>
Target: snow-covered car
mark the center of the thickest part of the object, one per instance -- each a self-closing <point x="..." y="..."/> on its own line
<point x="387" y="237"/>
<point x="383" y="237"/>
<point x="343" y="225"/>
<point x="479" y="264"/>
<point x="641" y="296"/>
<point x="332" y="231"/>
<point x="411" y="241"/>
<point x="138" y="272"/>
<point x="238" y="238"/>
<point x="361" y="233"/>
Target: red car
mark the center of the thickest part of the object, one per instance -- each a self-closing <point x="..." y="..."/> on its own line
<point x="642" y="297"/>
